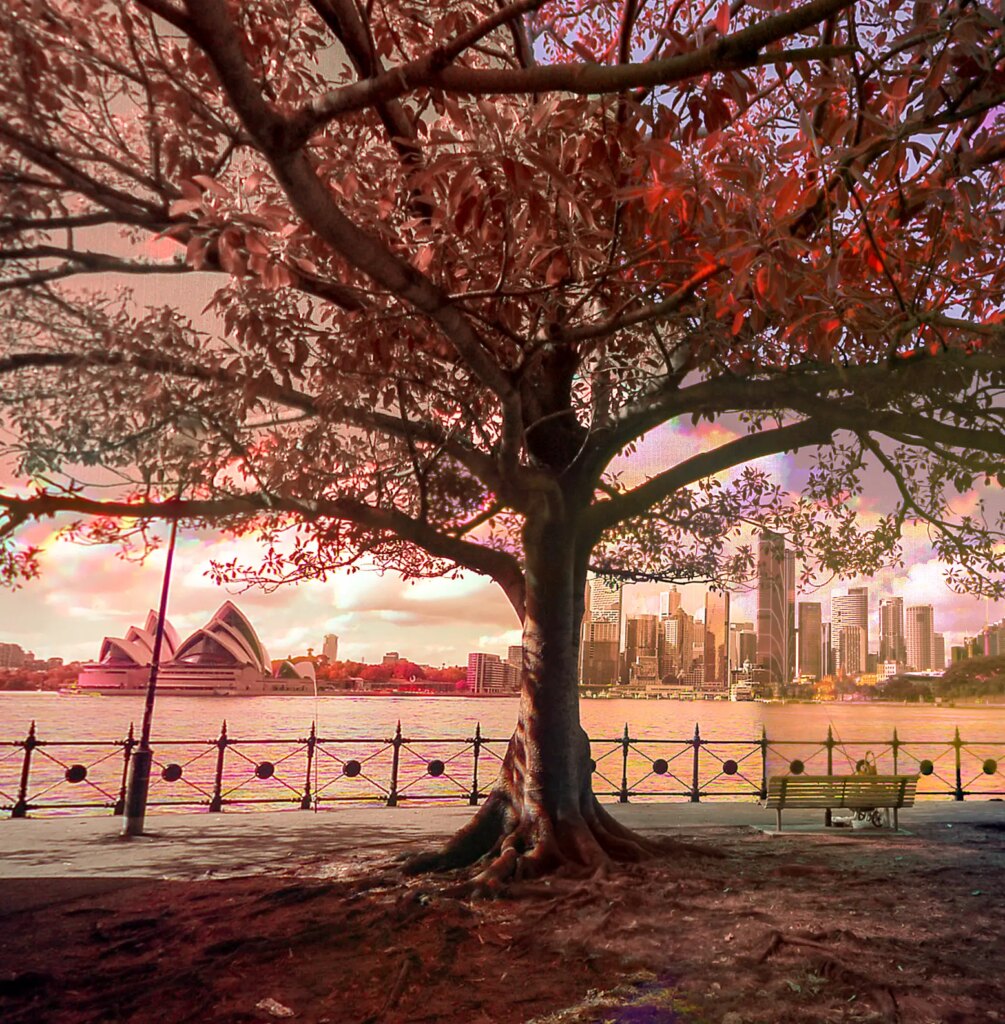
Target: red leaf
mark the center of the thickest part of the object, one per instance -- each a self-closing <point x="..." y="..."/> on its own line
<point x="762" y="283"/>
<point x="558" y="268"/>
<point x="722" y="19"/>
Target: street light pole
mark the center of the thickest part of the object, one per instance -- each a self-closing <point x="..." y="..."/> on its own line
<point x="138" y="784"/>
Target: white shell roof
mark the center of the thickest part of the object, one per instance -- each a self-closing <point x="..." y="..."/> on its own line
<point x="229" y="628"/>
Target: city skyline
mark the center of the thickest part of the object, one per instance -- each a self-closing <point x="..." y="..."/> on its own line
<point x="372" y="613"/>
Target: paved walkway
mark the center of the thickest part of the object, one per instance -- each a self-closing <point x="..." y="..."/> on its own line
<point x="187" y="846"/>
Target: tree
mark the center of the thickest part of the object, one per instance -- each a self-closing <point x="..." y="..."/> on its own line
<point x="462" y="257"/>
<point x="973" y="677"/>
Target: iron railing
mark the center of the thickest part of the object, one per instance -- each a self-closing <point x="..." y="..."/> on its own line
<point x="58" y="776"/>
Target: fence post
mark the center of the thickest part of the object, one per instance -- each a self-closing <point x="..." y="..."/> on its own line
<point x="829" y="744"/>
<point x="392" y="796"/>
<point x="623" y="798"/>
<point x="895" y="747"/>
<point x="216" y="804"/>
<point x="305" y="800"/>
<point x="20" y="809"/>
<point x="958" y="744"/>
<point x="764" y="763"/>
<point x="695" y="791"/>
<point x="477" y="745"/>
<point x="127" y="752"/>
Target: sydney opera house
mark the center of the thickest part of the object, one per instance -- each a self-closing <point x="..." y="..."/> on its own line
<point x="224" y="658"/>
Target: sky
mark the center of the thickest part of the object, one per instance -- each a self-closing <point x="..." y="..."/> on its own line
<point x="87" y="593"/>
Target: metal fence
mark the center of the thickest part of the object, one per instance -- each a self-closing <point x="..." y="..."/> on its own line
<point x="60" y="777"/>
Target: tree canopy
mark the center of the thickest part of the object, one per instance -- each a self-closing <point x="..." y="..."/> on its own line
<point x="464" y="250"/>
<point x="459" y="258"/>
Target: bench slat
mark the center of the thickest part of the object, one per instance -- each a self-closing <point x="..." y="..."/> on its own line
<point x="847" y="791"/>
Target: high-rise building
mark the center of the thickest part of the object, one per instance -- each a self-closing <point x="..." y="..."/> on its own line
<point x="669" y="602"/>
<point x="12" y="656"/>
<point x="641" y="640"/>
<point x="919" y="634"/>
<point x="851" y="609"/>
<point x="851" y="652"/>
<point x="330" y="647"/>
<point x="742" y="645"/>
<point x="600" y="637"/>
<point x="826" y="650"/>
<point x="776" y="599"/>
<point x="676" y="639"/>
<point x="810" y="637"/>
<point x="486" y="673"/>
<point x="716" y="649"/>
<point x="939" y="652"/>
<point x="892" y="646"/>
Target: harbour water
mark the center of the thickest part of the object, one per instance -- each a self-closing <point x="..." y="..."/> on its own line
<point x="108" y="718"/>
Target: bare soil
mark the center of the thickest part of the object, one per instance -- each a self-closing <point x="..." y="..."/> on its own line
<point x="797" y="928"/>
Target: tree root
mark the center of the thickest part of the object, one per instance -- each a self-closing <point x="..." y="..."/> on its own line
<point x="827" y="965"/>
<point x="508" y="843"/>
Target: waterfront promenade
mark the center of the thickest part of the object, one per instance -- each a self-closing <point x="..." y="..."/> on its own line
<point x="203" y="846"/>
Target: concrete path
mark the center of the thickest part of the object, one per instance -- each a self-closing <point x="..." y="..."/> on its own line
<point x="187" y="846"/>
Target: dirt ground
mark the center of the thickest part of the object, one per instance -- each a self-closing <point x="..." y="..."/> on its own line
<point x="797" y="928"/>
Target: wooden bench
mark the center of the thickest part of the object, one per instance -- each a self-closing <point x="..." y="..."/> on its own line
<point x="852" y="792"/>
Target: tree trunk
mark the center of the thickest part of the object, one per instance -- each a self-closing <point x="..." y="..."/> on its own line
<point x="542" y="815"/>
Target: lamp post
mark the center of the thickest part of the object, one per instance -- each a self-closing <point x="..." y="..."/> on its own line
<point x="138" y="784"/>
<point x="188" y="432"/>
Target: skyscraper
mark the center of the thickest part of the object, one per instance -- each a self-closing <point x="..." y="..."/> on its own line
<point x="716" y="640"/>
<point x="851" y="652"/>
<point x="810" y="639"/>
<point x="676" y="641"/>
<point x="919" y="632"/>
<point x="851" y="609"/>
<point x="330" y="647"/>
<point x="775" y="607"/>
<point x="600" y="637"/>
<point x="641" y="641"/>
<point x="892" y="646"/>
<point x="669" y="602"/>
<point x="939" y="652"/>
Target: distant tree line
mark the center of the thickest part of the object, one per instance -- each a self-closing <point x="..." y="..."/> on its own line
<point x="973" y="677"/>
<point x="38" y="678"/>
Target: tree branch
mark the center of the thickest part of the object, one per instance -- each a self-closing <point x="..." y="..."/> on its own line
<point x="606" y="514"/>
<point x="733" y="52"/>
<point x="498" y="565"/>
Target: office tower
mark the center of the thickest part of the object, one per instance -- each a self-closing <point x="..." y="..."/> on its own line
<point x="12" y="656"/>
<point x="669" y="602"/>
<point x="330" y="647"/>
<point x="939" y="652"/>
<point x="641" y="641"/>
<point x="716" y="647"/>
<point x="775" y="607"/>
<point x="742" y="644"/>
<point x="826" y="650"/>
<point x="851" y="652"/>
<point x="676" y="636"/>
<point x="790" y="612"/>
<point x="809" y="639"/>
<point x="891" y="630"/>
<point x="514" y="666"/>
<point x="919" y="633"/>
<point x="600" y="638"/>
<point x="851" y="609"/>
